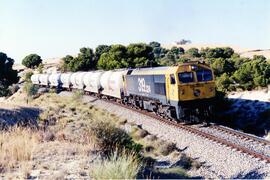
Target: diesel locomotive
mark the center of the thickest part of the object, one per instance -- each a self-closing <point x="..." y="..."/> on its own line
<point x="184" y="92"/>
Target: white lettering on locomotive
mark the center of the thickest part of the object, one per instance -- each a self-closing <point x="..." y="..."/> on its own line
<point x="143" y="87"/>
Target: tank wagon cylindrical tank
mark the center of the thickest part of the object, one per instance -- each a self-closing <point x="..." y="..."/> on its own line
<point x="112" y="83"/>
<point x="35" y="78"/>
<point x="54" y="79"/>
<point x="76" y="80"/>
<point x="91" y="81"/>
<point x="44" y="79"/>
<point x="65" y="80"/>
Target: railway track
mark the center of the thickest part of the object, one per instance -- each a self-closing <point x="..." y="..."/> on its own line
<point x="209" y="136"/>
<point x="241" y="135"/>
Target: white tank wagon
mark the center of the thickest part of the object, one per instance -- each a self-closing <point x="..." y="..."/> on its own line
<point x="112" y="83"/>
<point x="91" y="81"/>
<point x="35" y="78"/>
<point x="77" y="80"/>
<point x="65" y="80"/>
<point x="44" y="79"/>
<point x="54" y="79"/>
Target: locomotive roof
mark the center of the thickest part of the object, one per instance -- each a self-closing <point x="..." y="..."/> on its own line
<point x="165" y="69"/>
<point x="155" y="70"/>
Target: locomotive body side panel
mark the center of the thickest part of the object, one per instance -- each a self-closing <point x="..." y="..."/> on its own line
<point x="148" y="86"/>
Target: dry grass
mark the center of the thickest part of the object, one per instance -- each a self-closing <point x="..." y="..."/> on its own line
<point x="16" y="145"/>
<point x="125" y="166"/>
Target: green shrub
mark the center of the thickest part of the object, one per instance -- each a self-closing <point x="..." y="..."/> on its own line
<point x="125" y="166"/>
<point x="27" y="76"/>
<point x="108" y="138"/>
<point x="30" y="90"/>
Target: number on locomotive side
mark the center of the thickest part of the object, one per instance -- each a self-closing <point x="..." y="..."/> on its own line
<point x="143" y="87"/>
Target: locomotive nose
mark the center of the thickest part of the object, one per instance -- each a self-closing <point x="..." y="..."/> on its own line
<point x="197" y="92"/>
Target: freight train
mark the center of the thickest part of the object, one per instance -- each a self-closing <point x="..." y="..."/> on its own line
<point x="184" y="92"/>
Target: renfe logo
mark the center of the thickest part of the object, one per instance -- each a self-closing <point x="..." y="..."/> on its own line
<point x="143" y="87"/>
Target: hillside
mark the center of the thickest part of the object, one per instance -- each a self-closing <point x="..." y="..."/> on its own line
<point x="244" y="52"/>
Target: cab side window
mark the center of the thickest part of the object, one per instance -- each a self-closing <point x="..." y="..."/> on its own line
<point x="172" y="79"/>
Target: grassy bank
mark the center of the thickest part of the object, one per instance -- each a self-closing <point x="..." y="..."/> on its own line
<point x="76" y="140"/>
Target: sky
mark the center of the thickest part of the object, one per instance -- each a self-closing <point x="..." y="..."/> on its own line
<point x="55" y="28"/>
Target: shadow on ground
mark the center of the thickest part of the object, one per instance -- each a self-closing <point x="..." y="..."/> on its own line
<point x="23" y="116"/>
<point x="254" y="174"/>
<point x="251" y="116"/>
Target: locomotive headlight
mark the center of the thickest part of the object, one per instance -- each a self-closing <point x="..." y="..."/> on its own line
<point x="193" y="67"/>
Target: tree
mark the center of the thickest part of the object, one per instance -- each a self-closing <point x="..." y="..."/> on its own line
<point x="140" y="55"/>
<point x="224" y="83"/>
<point x="168" y="60"/>
<point x="172" y="56"/>
<point x="115" y="58"/>
<point x="8" y="76"/>
<point x="83" y="62"/>
<point x="177" y="51"/>
<point x="253" y="73"/>
<point x="225" y="52"/>
<point x="154" y="44"/>
<point x="100" y="50"/>
<point x="32" y="61"/>
<point x="193" y="52"/>
<point x="221" y="66"/>
<point x="239" y="61"/>
<point x="259" y="57"/>
<point x="158" y="51"/>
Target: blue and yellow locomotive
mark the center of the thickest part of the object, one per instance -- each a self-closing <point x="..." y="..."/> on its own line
<point x="183" y="92"/>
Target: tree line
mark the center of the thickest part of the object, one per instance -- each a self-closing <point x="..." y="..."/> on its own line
<point x="232" y="71"/>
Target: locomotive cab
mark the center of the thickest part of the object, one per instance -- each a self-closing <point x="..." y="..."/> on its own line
<point x="190" y="90"/>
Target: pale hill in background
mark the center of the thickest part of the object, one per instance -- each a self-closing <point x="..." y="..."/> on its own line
<point x="244" y="52"/>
